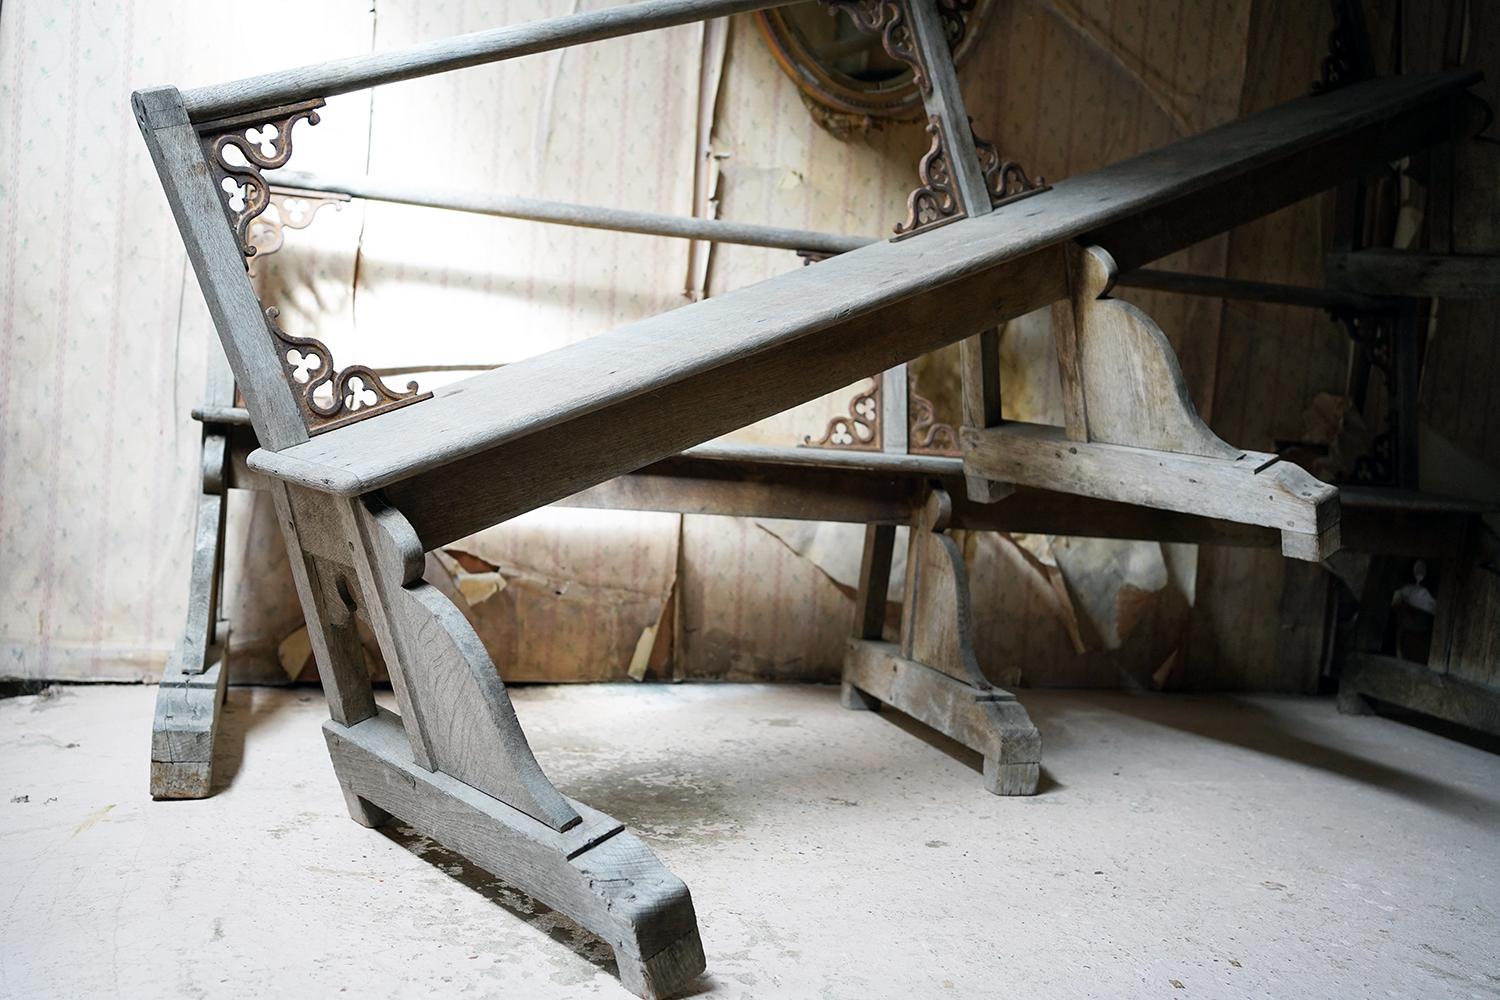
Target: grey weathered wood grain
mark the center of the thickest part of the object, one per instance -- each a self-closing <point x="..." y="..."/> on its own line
<point x="1414" y="686"/>
<point x="1417" y="273"/>
<point x="570" y="214"/>
<point x="340" y="76"/>
<point x="1255" y="488"/>
<point x="189" y="699"/>
<point x="874" y="581"/>
<point x="595" y="873"/>
<point x="990" y="722"/>
<point x="870" y="602"/>
<point x="937" y="626"/>
<point x="330" y="621"/>
<point x="461" y="718"/>
<point x="1213" y="286"/>
<point x="944" y="100"/>
<point x="978" y="355"/>
<point x="811" y="331"/>
<point x="1121" y="380"/>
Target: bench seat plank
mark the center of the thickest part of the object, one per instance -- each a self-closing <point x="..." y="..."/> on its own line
<point x="627" y="397"/>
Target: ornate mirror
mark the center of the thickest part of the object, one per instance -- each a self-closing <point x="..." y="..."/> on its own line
<point x="848" y="71"/>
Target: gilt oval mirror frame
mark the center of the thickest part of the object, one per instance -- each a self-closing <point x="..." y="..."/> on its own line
<point x="847" y="70"/>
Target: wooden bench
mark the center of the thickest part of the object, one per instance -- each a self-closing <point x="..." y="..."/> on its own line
<point x="360" y="500"/>
<point x="812" y="483"/>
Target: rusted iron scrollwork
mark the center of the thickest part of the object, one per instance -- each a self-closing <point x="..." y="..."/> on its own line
<point x="290" y="208"/>
<point x="935" y="201"/>
<point x="352" y="393"/>
<point x="1006" y="180"/>
<point x="890" y="19"/>
<point x="859" y="429"/>
<point x="328" y="397"/>
<point x="926" y="434"/>
<point x="893" y="21"/>
<point x="261" y="141"/>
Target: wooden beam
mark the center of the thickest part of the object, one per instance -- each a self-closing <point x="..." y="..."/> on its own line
<point x="989" y="721"/>
<point x="1416" y="273"/>
<point x="596" y="873"/>
<point x="588" y="412"/>
<point x="340" y="76"/>
<point x="1254" y="488"/>
<point x="1413" y="686"/>
<point x="1181" y="283"/>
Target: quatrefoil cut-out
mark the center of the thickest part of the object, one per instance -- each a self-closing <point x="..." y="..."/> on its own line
<point x="330" y="398"/>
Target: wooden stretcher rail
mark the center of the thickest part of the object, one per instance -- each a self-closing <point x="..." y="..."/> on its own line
<point x="570" y="214"/>
<point x="341" y="76"/>
<point x="752" y="234"/>
<point x="591" y="411"/>
<point x="1253" y="291"/>
<point x="816" y="484"/>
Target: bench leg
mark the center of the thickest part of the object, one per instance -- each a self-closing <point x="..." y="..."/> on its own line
<point x="933" y="675"/>
<point x="191" y="692"/>
<point x="454" y="764"/>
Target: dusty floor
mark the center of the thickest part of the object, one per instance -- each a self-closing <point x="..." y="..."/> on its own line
<point x="1181" y="847"/>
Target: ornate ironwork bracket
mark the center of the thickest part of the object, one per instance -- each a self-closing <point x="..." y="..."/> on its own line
<point x="327" y="396"/>
<point x="926" y="434"/>
<point x="1349" y="58"/>
<point x="291" y="208"/>
<point x="260" y="141"/>
<point x="351" y="394"/>
<point x="936" y="201"/>
<point x="890" y="19"/>
<point x="859" y="429"/>
<point x="1006" y="180"/>
<point x="1374" y="335"/>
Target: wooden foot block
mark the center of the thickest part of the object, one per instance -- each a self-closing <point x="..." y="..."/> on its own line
<point x="595" y="873"/>
<point x="856" y="700"/>
<point x="1010" y="779"/>
<point x="1351" y="702"/>
<point x="989" y="721"/>
<point x="184" y="730"/>
<point x="1413" y="686"/>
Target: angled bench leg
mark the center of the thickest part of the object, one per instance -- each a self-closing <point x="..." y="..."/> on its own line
<point x="455" y="764"/>
<point x="933" y="674"/>
<point x="191" y="693"/>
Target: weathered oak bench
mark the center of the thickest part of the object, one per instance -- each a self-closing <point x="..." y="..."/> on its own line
<point x="361" y="500"/>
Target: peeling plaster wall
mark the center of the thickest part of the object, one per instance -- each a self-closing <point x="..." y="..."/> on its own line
<point x="103" y="329"/>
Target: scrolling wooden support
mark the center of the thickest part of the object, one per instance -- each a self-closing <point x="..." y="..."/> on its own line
<point x="1131" y="432"/>
<point x="933" y="674"/>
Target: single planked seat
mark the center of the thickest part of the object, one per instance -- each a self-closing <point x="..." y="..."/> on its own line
<point x="652" y="388"/>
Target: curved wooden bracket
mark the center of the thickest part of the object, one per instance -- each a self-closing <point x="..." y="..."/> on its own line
<point x="1132" y="434"/>
<point x="456" y="711"/>
<point x="937" y="622"/>
<point x="1121" y="380"/>
<point x="934" y="675"/>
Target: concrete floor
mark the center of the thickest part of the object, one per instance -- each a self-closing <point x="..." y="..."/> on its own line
<point x="1181" y="847"/>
